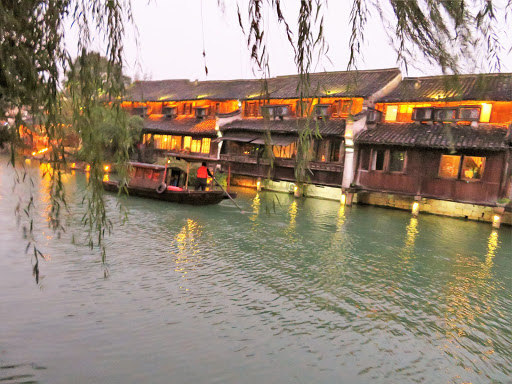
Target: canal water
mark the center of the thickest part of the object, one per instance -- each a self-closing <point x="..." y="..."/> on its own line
<point x="290" y="291"/>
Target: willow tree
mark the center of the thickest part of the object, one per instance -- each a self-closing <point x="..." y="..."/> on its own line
<point x="33" y="60"/>
<point x="34" y="57"/>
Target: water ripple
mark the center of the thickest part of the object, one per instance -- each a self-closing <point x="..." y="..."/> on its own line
<point x="310" y="292"/>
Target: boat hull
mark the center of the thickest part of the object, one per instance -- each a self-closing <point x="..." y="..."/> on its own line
<point x="180" y="197"/>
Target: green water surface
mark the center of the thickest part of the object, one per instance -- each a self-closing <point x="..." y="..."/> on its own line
<point x="292" y="291"/>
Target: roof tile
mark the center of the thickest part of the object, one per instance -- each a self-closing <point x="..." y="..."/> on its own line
<point x="436" y="136"/>
<point x="496" y="86"/>
<point x="325" y="84"/>
<point x="180" y="126"/>
<point x="325" y="127"/>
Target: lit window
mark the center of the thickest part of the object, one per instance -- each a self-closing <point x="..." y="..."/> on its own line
<point x="196" y="146"/>
<point x="186" y="143"/>
<point x="284" y="152"/>
<point x="205" y="147"/>
<point x="391" y="112"/>
<point x="449" y="167"/>
<point x="485" y="115"/>
<point x="378" y="160"/>
<point x="176" y="143"/>
<point x="472" y="168"/>
<point x="396" y="161"/>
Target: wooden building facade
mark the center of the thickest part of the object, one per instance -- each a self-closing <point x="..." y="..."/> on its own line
<point x="444" y="137"/>
<point x="182" y="118"/>
<point x="274" y="120"/>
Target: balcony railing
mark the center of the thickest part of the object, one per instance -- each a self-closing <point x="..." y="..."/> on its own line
<point x="285" y="163"/>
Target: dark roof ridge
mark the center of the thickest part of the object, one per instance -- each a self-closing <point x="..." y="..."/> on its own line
<point x="339" y="72"/>
<point x="456" y="75"/>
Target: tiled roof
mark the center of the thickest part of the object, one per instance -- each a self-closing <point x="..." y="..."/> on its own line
<point x="180" y="126"/>
<point x="435" y="136"/>
<point x="325" y="127"/>
<point x="335" y="84"/>
<point x="496" y="87"/>
<point x="331" y="84"/>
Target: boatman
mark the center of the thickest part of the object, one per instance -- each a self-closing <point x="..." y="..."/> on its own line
<point x="202" y="177"/>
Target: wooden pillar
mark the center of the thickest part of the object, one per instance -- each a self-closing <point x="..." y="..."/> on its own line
<point x="188" y="171"/>
<point x="229" y="176"/>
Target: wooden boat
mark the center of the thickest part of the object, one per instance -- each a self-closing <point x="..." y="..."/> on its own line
<point x="162" y="183"/>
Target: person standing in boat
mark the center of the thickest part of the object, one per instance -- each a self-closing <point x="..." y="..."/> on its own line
<point x="202" y="177"/>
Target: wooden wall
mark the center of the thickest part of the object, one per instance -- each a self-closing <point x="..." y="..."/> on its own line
<point x="421" y="177"/>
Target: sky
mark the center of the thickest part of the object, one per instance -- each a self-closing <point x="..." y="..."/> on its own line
<point x="170" y="36"/>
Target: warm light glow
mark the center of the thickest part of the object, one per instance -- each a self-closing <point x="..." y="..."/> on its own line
<point x="415" y="208"/>
<point x="485" y="114"/>
<point x="496" y="219"/>
<point x="258" y="184"/>
<point x="106" y="168"/>
<point x="202" y="96"/>
<point x="73" y="165"/>
<point x="295" y="189"/>
<point x="106" y="177"/>
<point x="40" y="151"/>
<point x="165" y="97"/>
<point x="349" y="142"/>
<point x="165" y="138"/>
<point x="239" y="104"/>
<point x="87" y="168"/>
<point x="293" y="214"/>
<point x="343" y="199"/>
<point x="391" y="112"/>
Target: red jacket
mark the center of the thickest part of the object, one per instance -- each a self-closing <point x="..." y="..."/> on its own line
<point x="202" y="172"/>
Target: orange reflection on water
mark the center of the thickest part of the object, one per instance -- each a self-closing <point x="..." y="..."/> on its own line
<point x="472" y="293"/>
<point x="293" y="214"/>
<point x="256" y="205"/>
<point x="188" y="254"/>
<point x="341" y="217"/>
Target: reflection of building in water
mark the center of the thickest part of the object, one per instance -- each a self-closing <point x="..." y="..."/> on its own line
<point x="293" y="214"/>
<point x="410" y="239"/>
<point x="471" y="293"/>
<point x="341" y="218"/>
<point x="256" y="204"/>
<point x="291" y="229"/>
<point x="188" y="254"/>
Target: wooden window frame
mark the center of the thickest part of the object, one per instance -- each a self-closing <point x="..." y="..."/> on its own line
<point x="404" y="167"/>
<point x="387" y="159"/>
<point x="373" y="160"/>
<point x="459" y="171"/>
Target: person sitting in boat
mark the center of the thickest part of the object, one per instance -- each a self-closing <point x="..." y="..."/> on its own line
<point x="202" y="176"/>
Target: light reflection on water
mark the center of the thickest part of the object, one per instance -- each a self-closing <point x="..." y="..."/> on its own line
<point x="290" y="291"/>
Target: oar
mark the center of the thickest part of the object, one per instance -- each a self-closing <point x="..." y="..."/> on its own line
<point x="226" y="192"/>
